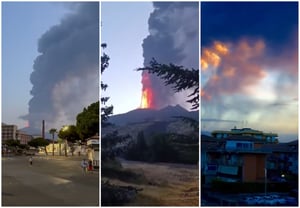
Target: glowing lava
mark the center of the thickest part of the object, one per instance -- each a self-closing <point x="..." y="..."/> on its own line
<point x="147" y="93"/>
<point x="146" y="98"/>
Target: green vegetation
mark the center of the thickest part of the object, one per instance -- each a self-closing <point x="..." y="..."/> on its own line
<point x="69" y="134"/>
<point x="39" y="142"/>
<point x="15" y="146"/>
<point x="112" y="194"/>
<point x="164" y="148"/>
<point x="87" y="122"/>
<point x="12" y="143"/>
<point x="115" y="195"/>
<point x="172" y="148"/>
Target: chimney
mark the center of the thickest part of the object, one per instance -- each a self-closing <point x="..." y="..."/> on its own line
<point x="43" y="129"/>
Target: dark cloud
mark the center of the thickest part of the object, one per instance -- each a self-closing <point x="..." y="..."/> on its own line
<point x="174" y="38"/>
<point x="274" y="22"/>
<point x="65" y="74"/>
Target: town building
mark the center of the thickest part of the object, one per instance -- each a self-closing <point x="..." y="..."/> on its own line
<point x="271" y="138"/>
<point x="9" y="132"/>
<point x="235" y="159"/>
<point x="244" y="155"/>
<point x="283" y="161"/>
<point x="23" y="137"/>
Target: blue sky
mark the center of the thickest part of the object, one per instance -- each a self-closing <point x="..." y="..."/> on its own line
<point x="250" y="66"/>
<point x="124" y="26"/>
<point x="23" y="23"/>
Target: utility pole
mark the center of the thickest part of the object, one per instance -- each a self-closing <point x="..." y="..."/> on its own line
<point x="265" y="181"/>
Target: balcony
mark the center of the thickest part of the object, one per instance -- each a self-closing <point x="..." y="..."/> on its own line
<point x="228" y="162"/>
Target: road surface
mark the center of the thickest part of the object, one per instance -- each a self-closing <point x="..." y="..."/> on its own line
<point x="50" y="181"/>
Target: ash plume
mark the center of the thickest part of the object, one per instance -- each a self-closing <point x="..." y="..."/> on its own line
<point x="173" y="38"/>
<point x="65" y="75"/>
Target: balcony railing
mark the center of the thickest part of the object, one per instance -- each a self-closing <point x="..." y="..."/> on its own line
<point x="225" y="162"/>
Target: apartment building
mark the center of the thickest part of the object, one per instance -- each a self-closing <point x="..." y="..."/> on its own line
<point x="271" y="138"/>
<point x="236" y="160"/>
<point x="246" y="155"/>
<point x="9" y="132"/>
<point x="23" y="137"/>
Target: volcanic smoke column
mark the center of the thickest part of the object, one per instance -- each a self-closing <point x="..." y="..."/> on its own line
<point x="173" y="38"/>
<point x="65" y="75"/>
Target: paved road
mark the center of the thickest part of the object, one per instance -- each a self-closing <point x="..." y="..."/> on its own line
<point x="49" y="181"/>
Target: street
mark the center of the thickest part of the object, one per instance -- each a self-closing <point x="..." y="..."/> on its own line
<point x="50" y="181"/>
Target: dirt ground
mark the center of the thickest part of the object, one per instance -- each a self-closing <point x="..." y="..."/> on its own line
<point x="169" y="184"/>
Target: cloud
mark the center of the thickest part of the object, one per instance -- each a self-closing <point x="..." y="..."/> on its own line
<point x="255" y="79"/>
<point x="235" y="67"/>
<point x="173" y="38"/>
<point x="66" y="73"/>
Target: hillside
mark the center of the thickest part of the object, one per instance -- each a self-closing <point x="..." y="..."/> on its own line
<point x="152" y="121"/>
<point x="150" y="115"/>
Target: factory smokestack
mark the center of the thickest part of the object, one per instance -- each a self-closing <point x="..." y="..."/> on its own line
<point x="43" y="129"/>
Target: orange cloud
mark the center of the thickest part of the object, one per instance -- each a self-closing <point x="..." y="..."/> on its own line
<point x="236" y="69"/>
<point x="213" y="56"/>
<point x="205" y="95"/>
<point x="221" y="48"/>
<point x="229" y="72"/>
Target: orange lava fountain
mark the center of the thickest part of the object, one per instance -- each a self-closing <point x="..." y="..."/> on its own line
<point x="147" y="93"/>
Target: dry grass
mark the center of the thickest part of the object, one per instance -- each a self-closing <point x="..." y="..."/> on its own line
<point x="168" y="184"/>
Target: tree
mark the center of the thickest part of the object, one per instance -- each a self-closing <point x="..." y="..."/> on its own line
<point x="12" y="143"/>
<point x="69" y="134"/>
<point x="52" y="131"/>
<point x="137" y="150"/>
<point x="109" y="145"/>
<point x="106" y="111"/>
<point x="178" y="77"/>
<point x="39" y="142"/>
<point x="87" y="122"/>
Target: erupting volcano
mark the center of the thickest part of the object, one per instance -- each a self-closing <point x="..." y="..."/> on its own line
<point x="147" y="92"/>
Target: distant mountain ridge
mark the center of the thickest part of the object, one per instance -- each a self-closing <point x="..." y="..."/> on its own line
<point x="145" y="115"/>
